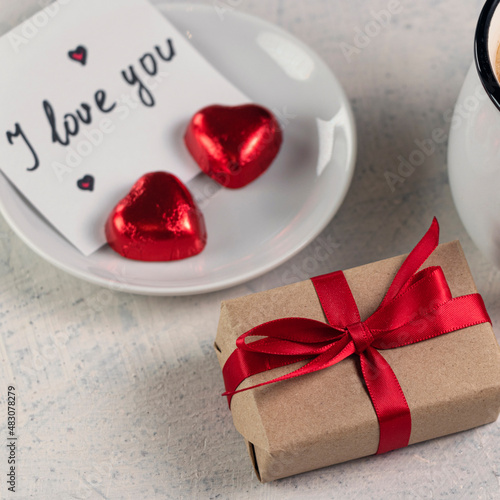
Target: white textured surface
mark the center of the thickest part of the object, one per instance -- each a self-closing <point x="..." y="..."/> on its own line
<point x="119" y="395"/>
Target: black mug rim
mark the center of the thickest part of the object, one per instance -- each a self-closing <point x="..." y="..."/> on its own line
<point x="481" y="54"/>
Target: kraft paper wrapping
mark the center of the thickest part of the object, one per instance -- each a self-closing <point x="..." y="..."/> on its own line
<point x="451" y="382"/>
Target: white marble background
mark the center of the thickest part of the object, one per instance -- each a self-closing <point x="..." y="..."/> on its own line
<point x="119" y="395"/>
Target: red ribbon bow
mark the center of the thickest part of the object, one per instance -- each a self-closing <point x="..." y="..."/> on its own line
<point x="417" y="307"/>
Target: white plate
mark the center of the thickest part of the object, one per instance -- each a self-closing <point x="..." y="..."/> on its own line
<point x="254" y="229"/>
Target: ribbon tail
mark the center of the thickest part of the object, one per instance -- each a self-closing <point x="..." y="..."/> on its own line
<point x="337" y="352"/>
<point x="388" y="400"/>
<point x="415" y="259"/>
<point x="243" y="364"/>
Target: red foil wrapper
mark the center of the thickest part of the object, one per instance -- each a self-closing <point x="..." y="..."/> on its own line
<point x="157" y="221"/>
<point x="233" y="145"/>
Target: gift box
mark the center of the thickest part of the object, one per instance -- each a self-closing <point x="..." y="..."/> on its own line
<point x="439" y="356"/>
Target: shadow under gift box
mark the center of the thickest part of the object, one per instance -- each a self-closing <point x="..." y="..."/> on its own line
<point x="451" y="382"/>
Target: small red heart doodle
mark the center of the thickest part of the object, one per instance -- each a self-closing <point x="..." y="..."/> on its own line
<point x="86" y="183"/>
<point x="79" y="54"/>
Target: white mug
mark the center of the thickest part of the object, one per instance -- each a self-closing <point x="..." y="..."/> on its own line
<point x="474" y="143"/>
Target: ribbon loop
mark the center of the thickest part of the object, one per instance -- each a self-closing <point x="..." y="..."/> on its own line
<point x="417" y="306"/>
<point x="360" y="335"/>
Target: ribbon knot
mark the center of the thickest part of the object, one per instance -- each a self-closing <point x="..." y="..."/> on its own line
<point x="417" y="306"/>
<point x="360" y="335"/>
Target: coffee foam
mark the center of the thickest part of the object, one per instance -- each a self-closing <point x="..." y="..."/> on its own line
<point x="494" y="42"/>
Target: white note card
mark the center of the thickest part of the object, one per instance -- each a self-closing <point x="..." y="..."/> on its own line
<point x="94" y="94"/>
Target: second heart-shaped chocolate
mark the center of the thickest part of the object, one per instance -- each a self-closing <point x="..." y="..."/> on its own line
<point x="233" y="145"/>
<point x="157" y="221"/>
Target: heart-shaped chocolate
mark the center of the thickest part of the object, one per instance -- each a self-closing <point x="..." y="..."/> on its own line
<point x="233" y="145"/>
<point x="157" y="221"/>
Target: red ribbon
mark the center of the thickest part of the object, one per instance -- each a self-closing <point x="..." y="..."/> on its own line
<point x="418" y="306"/>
